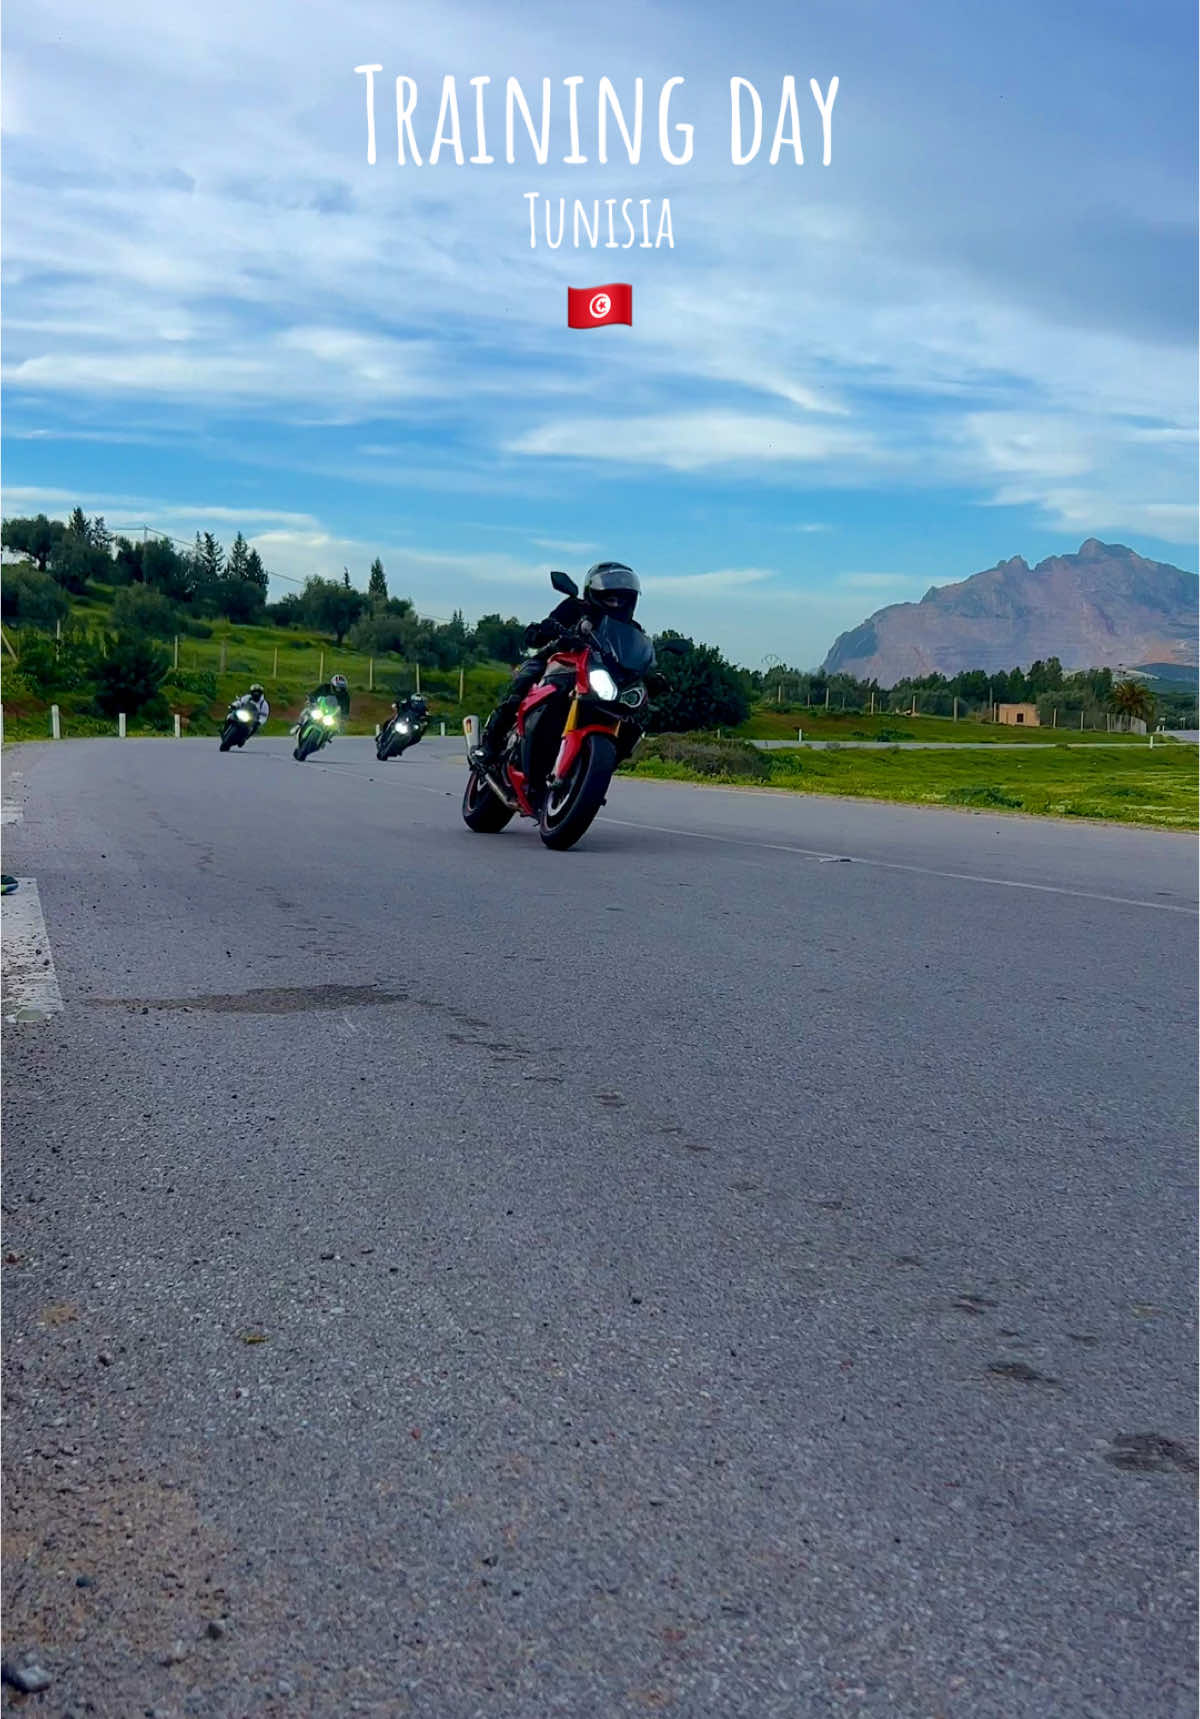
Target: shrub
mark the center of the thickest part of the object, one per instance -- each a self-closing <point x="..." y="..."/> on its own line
<point x="129" y="673"/>
<point x="707" y="757"/>
<point x="138" y="609"/>
<point x="32" y="598"/>
<point x="202" y="682"/>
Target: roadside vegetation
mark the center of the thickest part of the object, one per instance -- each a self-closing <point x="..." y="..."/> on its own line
<point x="1134" y="784"/>
<point x="99" y="625"/>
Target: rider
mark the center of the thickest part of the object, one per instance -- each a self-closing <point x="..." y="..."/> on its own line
<point x="610" y="588"/>
<point x="411" y="705"/>
<point x="334" y="687"/>
<point x="258" y="698"/>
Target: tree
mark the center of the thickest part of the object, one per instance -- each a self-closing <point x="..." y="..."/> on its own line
<point x="163" y="569"/>
<point x="129" y="672"/>
<point x="212" y="557"/>
<point x="331" y="606"/>
<point x="239" y="600"/>
<point x="1131" y="698"/>
<point x="32" y="599"/>
<point x="256" y="573"/>
<point x="138" y="609"/>
<point x="33" y="537"/>
<point x="239" y="559"/>
<point x="377" y="590"/>
<point x="499" y="641"/>
<point x="702" y="691"/>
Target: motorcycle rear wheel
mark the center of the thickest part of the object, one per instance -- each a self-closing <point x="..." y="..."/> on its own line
<point x="482" y="808"/>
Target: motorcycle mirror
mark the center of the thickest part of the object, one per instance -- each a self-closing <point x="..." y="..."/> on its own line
<point x="563" y="582"/>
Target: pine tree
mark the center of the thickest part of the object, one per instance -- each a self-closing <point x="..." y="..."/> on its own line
<point x="212" y="557"/>
<point x="239" y="559"/>
<point x="256" y="573"/>
<point x="377" y="590"/>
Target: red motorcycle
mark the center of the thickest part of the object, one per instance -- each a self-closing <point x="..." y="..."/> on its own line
<point x="582" y="719"/>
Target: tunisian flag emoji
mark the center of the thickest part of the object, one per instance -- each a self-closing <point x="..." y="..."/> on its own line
<point x="594" y="307"/>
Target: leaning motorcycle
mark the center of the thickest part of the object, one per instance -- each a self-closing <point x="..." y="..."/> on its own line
<point x="583" y="719"/>
<point x="397" y="735"/>
<point x="317" y="726"/>
<point x="241" y="720"/>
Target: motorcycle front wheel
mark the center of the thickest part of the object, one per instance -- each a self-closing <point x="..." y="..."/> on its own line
<point x="568" y="810"/>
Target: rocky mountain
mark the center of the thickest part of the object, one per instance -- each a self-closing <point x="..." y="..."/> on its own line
<point x="1102" y="607"/>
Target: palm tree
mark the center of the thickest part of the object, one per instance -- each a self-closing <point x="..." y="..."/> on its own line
<point x="1131" y="698"/>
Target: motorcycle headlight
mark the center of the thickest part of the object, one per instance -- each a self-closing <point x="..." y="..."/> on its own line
<point x="403" y="728"/>
<point x="328" y="721"/>
<point x="602" y="684"/>
<point x="243" y="716"/>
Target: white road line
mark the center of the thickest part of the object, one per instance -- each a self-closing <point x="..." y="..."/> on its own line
<point x="918" y="870"/>
<point x="29" y="982"/>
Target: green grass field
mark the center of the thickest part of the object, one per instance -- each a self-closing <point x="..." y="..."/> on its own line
<point x="288" y="662"/>
<point x="1128" y="785"/>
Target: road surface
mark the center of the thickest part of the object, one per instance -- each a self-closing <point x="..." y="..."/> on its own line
<point x="743" y="1266"/>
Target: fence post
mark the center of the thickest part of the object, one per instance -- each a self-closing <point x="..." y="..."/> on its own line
<point x="1081" y="722"/>
<point x="121" y="725"/>
<point x="800" y="736"/>
<point x="321" y="676"/>
<point x="176" y="662"/>
<point x="178" y="726"/>
<point x="462" y="675"/>
<point x="417" y="666"/>
<point x="55" y="724"/>
<point x="275" y="665"/>
<point x="443" y="730"/>
<point x="224" y="649"/>
<point x="370" y="674"/>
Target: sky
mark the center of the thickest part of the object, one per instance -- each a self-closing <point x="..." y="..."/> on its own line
<point x="971" y="335"/>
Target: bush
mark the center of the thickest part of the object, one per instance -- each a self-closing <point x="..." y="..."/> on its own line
<point x="31" y="598"/>
<point x="129" y="673"/>
<point x="202" y="682"/>
<point x="138" y="609"/>
<point x="706" y="757"/>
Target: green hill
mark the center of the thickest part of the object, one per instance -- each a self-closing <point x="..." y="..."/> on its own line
<point x="207" y="672"/>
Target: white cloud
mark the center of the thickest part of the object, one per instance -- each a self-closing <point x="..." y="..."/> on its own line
<point x="691" y="441"/>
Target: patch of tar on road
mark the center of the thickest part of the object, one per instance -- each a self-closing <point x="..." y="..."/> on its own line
<point x="293" y="1000"/>
<point x="1150" y="1453"/>
<point x="1020" y="1370"/>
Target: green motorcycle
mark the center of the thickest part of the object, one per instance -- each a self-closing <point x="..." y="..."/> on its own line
<point x="317" y="726"/>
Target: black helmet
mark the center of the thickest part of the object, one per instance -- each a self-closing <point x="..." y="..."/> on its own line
<point x="613" y="586"/>
<point x="418" y="704"/>
<point x="339" y="681"/>
<point x="256" y="691"/>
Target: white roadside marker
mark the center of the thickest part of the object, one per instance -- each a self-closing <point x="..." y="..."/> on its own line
<point x="29" y="982"/>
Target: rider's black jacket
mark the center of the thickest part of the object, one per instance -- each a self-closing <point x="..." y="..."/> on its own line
<point x="325" y="690"/>
<point x="568" y="613"/>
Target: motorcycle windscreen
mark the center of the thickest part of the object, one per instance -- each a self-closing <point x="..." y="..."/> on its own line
<point x="625" y="646"/>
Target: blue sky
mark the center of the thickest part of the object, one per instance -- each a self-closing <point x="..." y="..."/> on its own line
<point x="971" y="336"/>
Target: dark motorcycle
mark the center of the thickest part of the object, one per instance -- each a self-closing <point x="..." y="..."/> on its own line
<point x="398" y="733"/>
<point x="241" y="721"/>
<point x="572" y="730"/>
<point x="317" y="725"/>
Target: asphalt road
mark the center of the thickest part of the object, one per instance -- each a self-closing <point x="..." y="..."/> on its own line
<point x="743" y="1266"/>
